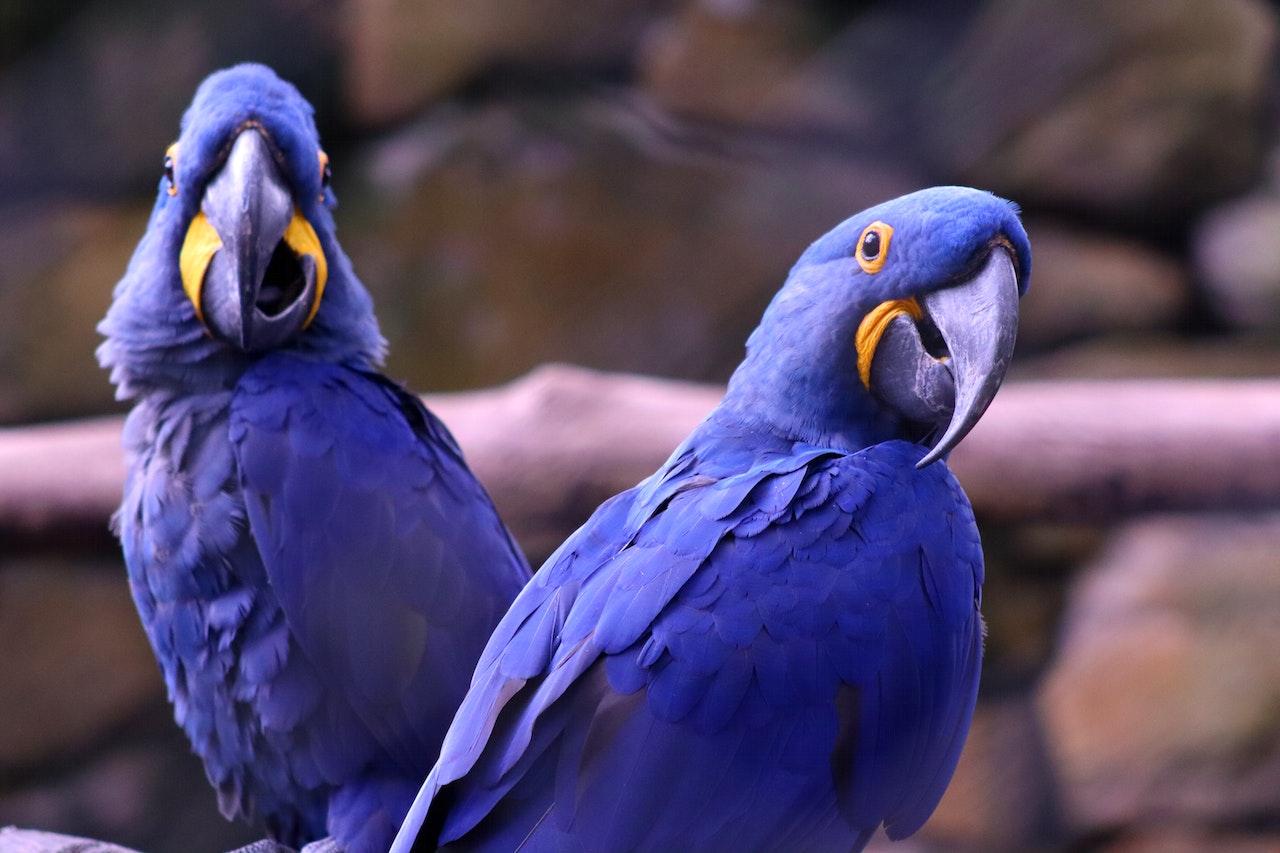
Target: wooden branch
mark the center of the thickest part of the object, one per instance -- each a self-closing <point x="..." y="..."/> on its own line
<point x="14" y="840"/>
<point x="1095" y="451"/>
<point x="552" y="445"/>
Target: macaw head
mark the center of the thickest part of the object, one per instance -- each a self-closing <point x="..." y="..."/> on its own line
<point x="899" y="322"/>
<point x="240" y="255"/>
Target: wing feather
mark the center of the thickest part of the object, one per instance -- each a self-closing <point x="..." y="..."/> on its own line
<point x="387" y="556"/>
<point x="784" y="658"/>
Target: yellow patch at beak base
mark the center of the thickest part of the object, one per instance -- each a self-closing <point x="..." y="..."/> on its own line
<point x="202" y="243"/>
<point x="302" y="238"/>
<point x="873" y="327"/>
<point x="198" y="248"/>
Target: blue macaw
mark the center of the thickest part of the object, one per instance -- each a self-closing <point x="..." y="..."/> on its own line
<point x="773" y="642"/>
<point x="314" y="564"/>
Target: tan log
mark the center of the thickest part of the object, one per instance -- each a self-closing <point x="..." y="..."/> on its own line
<point x="555" y="443"/>
<point x="14" y="840"/>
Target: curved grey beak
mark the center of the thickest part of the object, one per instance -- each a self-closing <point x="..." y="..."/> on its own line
<point x="257" y="291"/>
<point x="978" y="322"/>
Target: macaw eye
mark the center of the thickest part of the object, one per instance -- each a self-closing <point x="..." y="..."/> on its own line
<point x="170" y="165"/>
<point x="326" y="173"/>
<point x="873" y="246"/>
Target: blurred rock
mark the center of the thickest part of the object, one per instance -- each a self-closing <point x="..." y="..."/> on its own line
<point x="1196" y="840"/>
<point x="58" y="264"/>
<point x="1155" y="356"/>
<point x="1026" y="571"/>
<point x="23" y="24"/>
<point x="1085" y="284"/>
<point x="833" y="75"/>
<point x="402" y="54"/>
<point x="144" y="790"/>
<point x="1141" y="110"/>
<point x="591" y="232"/>
<point x="84" y="665"/>
<point x="734" y="60"/>
<point x="90" y="110"/>
<point x="1000" y="798"/>
<point x="1237" y="257"/>
<point x="1165" y="698"/>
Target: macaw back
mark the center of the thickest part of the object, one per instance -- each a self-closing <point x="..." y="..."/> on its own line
<point x="767" y="646"/>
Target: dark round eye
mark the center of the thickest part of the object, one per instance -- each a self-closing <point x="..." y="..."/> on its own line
<point x="871" y="245"/>
<point x="170" y="168"/>
<point x="326" y="171"/>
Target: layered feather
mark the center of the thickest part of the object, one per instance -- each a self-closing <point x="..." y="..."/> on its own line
<point x="767" y="645"/>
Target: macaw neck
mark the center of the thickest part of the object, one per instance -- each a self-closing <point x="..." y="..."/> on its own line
<point x="822" y="405"/>
<point x="160" y="374"/>
<point x="157" y="360"/>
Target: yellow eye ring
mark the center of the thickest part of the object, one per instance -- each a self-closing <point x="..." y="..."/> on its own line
<point x="873" y="246"/>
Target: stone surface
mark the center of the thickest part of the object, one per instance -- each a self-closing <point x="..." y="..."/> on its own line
<point x="1000" y="798"/>
<point x="591" y="232"/>
<point x="733" y="61"/>
<point x="1155" y="356"/>
<point x="835" y="76"/>
<point x="1085" y="284"/>
<point x="401" y="54"/>
<point x="1165" y="697"/>
<point x="143" y="789"/>
<point x="58" y="264"/>
<point x="85" y="666"/>
<point x="1118" y="108"/>
<point x="1237" y="258"/>
<point x="1196" y="840"/>
<point x="1027" y="566"/>
<point x="90" y="112"/>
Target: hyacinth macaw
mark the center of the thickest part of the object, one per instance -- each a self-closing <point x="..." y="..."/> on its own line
<point x="314" y="564"/>
<point x="774" y="642"/>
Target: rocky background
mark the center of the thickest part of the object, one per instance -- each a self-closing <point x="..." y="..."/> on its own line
<point x="623" y="185"/>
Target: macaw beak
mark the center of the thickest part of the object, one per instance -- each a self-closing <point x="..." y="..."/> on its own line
<point x="975" y="323"/>
<point x="251" y="264"/>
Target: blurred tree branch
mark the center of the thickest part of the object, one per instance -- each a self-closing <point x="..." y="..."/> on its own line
<point x="555" y="443"/>
<point x="14" y="840"/>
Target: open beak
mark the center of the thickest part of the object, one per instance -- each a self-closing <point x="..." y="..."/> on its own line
<point x="252" y="265"/>
<point x="945" y="366"/>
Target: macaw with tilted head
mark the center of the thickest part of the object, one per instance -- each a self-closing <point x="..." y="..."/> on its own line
<point x="774" y="642"/>
<point x="314" y="564"/>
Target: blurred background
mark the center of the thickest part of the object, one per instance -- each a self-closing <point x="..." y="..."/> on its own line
<point x="623" y="184"/>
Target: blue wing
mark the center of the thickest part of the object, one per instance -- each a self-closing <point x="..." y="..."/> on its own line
<point x="780" y="659"/>
<point x="386" y="554"/>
